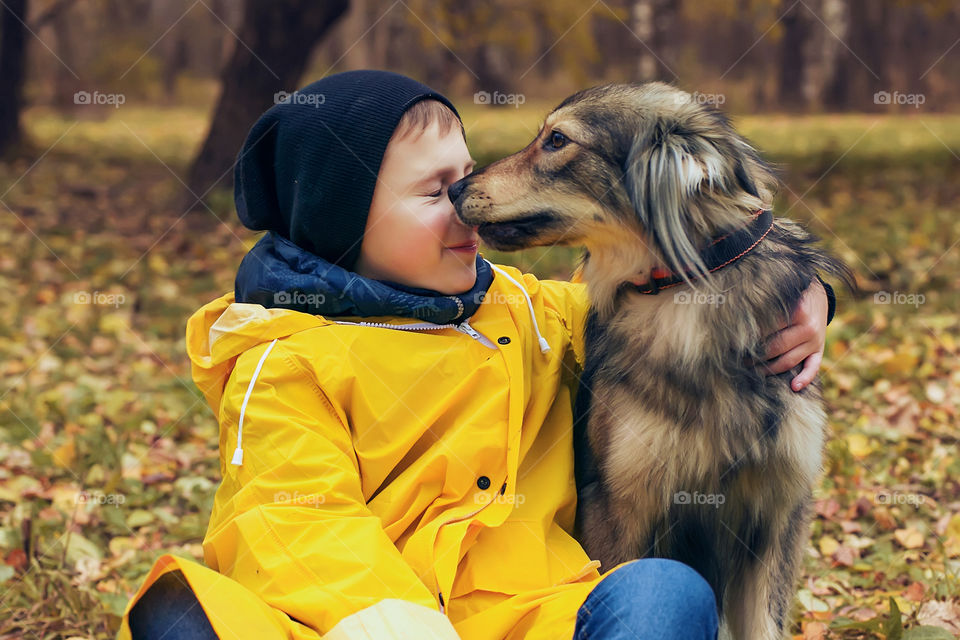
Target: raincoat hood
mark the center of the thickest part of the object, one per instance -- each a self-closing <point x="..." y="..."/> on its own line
<point x="223" y="329"/>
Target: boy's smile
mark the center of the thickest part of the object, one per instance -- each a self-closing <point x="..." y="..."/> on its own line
<point x="413" y="236"/>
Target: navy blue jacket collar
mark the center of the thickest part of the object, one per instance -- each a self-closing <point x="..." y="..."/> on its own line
<point x="276" y="273"/>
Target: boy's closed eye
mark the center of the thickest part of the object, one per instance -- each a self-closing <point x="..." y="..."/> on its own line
<point x="435" y="186"/>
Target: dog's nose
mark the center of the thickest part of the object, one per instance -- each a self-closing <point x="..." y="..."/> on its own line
<point x="456" y="189"/>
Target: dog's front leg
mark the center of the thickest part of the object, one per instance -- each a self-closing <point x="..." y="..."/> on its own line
<point x="603" y="531"/>
<point x="760" y="604"/>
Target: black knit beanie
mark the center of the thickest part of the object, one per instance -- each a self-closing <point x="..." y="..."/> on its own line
<point x="309" y="165"/>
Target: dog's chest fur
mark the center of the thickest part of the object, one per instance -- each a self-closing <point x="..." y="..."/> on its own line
<point x="674" y="408"/>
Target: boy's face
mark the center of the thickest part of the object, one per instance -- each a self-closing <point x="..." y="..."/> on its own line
<point x="413" y="235"/>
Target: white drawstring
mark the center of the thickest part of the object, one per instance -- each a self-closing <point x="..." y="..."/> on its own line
<point x="544" y="345"/>
<point x="238" y="452"/>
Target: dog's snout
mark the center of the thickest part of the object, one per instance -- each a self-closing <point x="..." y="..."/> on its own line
<point x="456" y="189"/>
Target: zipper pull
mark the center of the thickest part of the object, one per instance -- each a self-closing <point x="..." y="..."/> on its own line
<point x="464" y="327"/>
<point x="467" y="329"/>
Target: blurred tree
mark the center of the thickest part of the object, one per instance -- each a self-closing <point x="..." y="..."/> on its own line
<point x="796" y="20"/>
<point x="65" y="83"/>
<point x="862" y="66"/>
<point x="13" y="56"/>
<point x="503" y="45"/>
<point x="273" y="48"/>
<point x="654" y="24"/>
<point x="823" y="46"/>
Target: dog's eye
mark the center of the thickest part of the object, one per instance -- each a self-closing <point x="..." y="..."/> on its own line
<point x="557" y="140"/>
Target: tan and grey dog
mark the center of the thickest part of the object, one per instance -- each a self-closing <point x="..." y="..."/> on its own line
<point x="694" y="454"/>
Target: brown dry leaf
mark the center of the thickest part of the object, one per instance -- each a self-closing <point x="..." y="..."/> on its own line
<point x="884" y="518"/>
<point x="16" y="559"/>
<point x="914" y="592"/>
<point x="939" y="613"/>
<point x="826" y="508"/>
<point x="846" y="556"/>
<point x="851" y="526"/>
<point x="815" y="631"/>
<point x="862" y="614"/>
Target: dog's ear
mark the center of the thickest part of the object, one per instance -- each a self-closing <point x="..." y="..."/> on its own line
<point x="688" y="180"/>
<point x="663" y="174"/>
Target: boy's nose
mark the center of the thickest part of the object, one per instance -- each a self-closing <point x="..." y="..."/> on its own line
<point x="454" y="191"/>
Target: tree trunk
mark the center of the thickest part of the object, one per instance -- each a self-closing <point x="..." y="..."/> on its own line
<point x="66" y="83"/>
<point x="273" y="49"/>
<point x="13" y="58"/>
<point x="796" y="30"/>
<point x="823" y="48"/>
<point x="862" y="70"/>
<point x="641" y="17"/>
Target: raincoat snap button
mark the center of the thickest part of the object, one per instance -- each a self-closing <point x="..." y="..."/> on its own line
<point x="503" y="340"/>
<point x="483" y="482"/>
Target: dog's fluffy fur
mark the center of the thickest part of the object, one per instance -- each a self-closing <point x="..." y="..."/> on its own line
<point x="700" y="457"/>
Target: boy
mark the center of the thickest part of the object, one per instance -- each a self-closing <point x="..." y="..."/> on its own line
<point x="384" y="478"/>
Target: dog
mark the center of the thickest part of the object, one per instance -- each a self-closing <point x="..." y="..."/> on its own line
<point x="690" y="451"/>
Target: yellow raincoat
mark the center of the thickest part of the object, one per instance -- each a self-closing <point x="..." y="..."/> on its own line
<point x="391" y="482"/>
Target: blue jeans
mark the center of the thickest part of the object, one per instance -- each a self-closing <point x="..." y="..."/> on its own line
<point x="649" y="598"/>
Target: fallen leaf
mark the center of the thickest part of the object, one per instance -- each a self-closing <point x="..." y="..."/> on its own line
<point x="914" y="592"/>
<point x="909" y="538"/>
<point x="815" y="631"/>
<point x="940" y="613"/>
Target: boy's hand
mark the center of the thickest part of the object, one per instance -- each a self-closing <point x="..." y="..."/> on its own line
<point x="802" y="340"/>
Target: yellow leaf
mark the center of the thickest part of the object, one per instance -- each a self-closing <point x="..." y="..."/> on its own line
<point x="909" y="538"/>
<point x="952" y="537"/>
<point x="828" y="546"/>
<point x="901" y="363"/>
<point x="859" y="445"/>
<point x="64" y="455"/>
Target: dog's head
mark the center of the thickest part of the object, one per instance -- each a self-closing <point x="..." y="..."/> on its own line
<point x="646" y="162"/>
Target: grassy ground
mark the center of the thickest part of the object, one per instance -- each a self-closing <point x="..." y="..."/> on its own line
<point x="108" y="453"/>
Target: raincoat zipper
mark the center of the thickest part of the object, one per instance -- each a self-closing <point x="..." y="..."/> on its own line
<point x="463" y="327"/>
